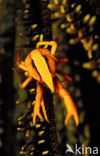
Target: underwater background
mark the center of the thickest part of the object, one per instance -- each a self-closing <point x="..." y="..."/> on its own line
<point x="75" y="26"/>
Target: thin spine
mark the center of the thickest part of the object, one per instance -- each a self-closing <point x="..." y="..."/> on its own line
<point x="47" y="30"/>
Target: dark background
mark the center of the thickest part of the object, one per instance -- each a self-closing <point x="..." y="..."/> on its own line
<point x="89" y="87"/>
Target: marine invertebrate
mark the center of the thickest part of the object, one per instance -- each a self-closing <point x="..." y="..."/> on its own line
<point x="40" y="64"/>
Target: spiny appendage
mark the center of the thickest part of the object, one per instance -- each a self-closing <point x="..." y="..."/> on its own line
<point x="69" y="104"/>
<point x="40" y="139"/>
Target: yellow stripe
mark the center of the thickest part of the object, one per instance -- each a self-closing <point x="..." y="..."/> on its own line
<point x="41" y="141"/>
<point x="38" y="125"/>
<point x="40" y="133"/>
<point x="45" y="152"/>
<point x="42" y="68"/>
<point x="92" y="20"/>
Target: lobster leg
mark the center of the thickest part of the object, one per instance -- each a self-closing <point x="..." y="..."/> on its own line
<point x="18" y="63"/>
<point x="69" y="104"/>
<point x="62" y="60"/>
<point x="25" y="83"/>
<point x="53" y="45"/>
<point x="68" y="78"/>
<point x="38" y="99"/>
<point x="44" y="110"/>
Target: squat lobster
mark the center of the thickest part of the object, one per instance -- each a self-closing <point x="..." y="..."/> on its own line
<point x="40" y="64"/>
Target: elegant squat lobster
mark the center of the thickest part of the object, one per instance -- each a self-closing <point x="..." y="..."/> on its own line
<point x="40" y="64"/>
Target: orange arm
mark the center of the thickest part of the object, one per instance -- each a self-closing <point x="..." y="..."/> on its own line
<point x="44" y="111"/>
<point x="69" y="104"/>
<point x="18" y="63"/>
<point x="25" y="83"/>
<point x="39" y="103"/>
<point x="38" y="99"/>
<point x="53" y="45"/>
<point x="62" y="60"/>
<point x="68" y="78"/>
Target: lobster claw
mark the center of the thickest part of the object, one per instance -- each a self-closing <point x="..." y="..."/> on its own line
<point x="39" y="103"/>
<point x="69" y="104"/>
